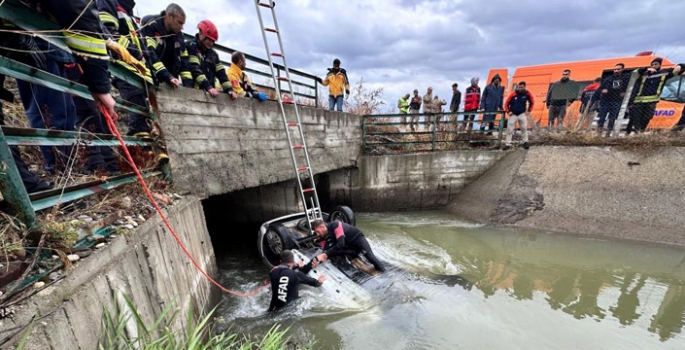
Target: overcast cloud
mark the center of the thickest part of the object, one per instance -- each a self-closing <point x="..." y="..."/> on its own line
<point x="405" y="44"/>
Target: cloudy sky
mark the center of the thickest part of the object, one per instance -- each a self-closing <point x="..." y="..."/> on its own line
<point x="405" y="44"/>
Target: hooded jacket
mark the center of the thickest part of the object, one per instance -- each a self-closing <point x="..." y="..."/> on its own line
<point x="167" y="51"/>
<point x="493" y="96"/>
<point x="337" y="82"/>
<point x="472" y="98"/>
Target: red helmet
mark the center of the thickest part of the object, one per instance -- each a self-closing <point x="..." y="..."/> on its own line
<point x="208" y="29"/>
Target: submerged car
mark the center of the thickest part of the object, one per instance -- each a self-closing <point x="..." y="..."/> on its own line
<point x="291" y="232"/>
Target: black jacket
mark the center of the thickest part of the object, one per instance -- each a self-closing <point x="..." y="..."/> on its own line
<point x="87" y="42"/>
<point x="206" y="67"/>
<point x="563" y="87"/>
<point x="339" y="234"/>
<point x="649" y="85"/>
<point x="616" y="85"/>
<point x="456" y="101"/>
<point x="285" y="284"/>
<point x="167" y="51"/>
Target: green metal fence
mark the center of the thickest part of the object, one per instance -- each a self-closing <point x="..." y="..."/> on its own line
<point x="396" y="133"/>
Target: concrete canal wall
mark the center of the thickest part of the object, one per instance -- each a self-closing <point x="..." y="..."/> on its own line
<point x="597" y="191"/>
<point x="148" y="266"/>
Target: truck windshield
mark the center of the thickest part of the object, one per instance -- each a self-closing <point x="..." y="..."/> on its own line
<point x="674" y="89"/>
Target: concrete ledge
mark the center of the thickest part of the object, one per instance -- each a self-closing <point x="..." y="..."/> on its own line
<point x="148" y="266"/>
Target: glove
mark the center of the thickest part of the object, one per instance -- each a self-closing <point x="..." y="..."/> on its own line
<point x="260" y="96"/>
<point x="126" y="56"/>
<point x="347" y="92"/>
<point x="319" y="80"/>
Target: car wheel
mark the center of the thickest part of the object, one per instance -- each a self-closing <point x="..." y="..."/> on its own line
<point x="276" y="239"/>
<point x="342" y="213"/>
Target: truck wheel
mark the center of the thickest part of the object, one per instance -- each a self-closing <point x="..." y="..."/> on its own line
<point x="342" y="213"/>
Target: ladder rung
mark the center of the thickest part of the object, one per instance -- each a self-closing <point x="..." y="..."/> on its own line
<point x="264" y="4"/>
<point x="302" y="168"/>
<point x="297" y="147"/>
<point x="271" y="30"/>
<point x="308" y="190"/>
<point x="292" y="124"/>
<point x="283" y="78"/>
<point x="277" y="54"/>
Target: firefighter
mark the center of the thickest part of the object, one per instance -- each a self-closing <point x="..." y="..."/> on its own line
<point x="117" y="19"/>
<point x="166" y="46"/>
<point x="205" y="65"/>
<point x="646" y="94"/>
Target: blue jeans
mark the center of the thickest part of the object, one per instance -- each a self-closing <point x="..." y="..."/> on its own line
<point x="47" y="108"/>
<point x="335" y="101"/>
<point x="611" y="108"/>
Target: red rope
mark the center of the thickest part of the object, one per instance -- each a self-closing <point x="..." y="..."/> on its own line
<point x="113" y="129"/>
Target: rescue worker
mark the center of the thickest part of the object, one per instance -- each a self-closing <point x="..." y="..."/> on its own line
<point x="209" y="74"/>
<point x="437" y="108"/>
<point x="492" y="100"/>
<point x="166" y="46"/>
<point x="646" y="94"/>
<point x="337" y="82"/>
<point x="117" y="19"/>
<point x="286" y="278"/>
<point x="428" y="107"/>
<point x="414" y="108"/>
<point x="471" y="103"/>
<point x="680" y="125"/>
<point x="340" y="239"/>
<point x="403" y="106"/>
<point x="518" y="107"/>
<point x="240" y="82"/>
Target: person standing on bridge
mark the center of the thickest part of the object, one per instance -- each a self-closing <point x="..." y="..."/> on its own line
<point x="286" y="279"/>
<point x="559" y="96"/>
<point x="647" y="93"/>
<point x="471" y="103"/>
<point x="403" y="106"/>
<point x="209" y="74"/>
<point x="610" y="95"/>
<point x="345" y="240"/>
<point x="414" y="108"/>
<point x="337" y="82"/>
<point x="493" y="97"/>
<point x="456" y="101"/>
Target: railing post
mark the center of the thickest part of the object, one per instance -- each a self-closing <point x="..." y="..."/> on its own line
<point x="363" y="133"/>
<point x="435" y="131"/>
<point x="501" y="129"/>
<point x="12" y="187"/>
<point x="316" y="93"/>
<point x="278" y="81"/>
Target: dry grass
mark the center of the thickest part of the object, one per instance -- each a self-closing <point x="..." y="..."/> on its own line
<point x="645" y="141"/>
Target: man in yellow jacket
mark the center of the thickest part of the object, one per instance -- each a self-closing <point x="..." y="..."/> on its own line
<point x="240" y="82"/>
<point x="337" y="81"/>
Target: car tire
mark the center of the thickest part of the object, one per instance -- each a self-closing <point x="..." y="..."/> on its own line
<point x="276" y="239"/>
<point x="342" y="213"/>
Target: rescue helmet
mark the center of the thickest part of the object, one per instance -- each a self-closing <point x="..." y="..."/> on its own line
<point x="208" y="29"/>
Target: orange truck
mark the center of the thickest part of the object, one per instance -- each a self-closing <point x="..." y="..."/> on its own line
<point x="539" y="78"/>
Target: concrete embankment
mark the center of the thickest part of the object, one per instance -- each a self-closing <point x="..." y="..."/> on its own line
<point x="148" y="266"/>
<point x="597" y="191"/>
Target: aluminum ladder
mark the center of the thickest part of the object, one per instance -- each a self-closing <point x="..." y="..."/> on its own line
<point x="303" y="169"/>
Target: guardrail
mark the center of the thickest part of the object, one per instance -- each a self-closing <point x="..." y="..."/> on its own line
<point x="393" y="133"/>
<point x="309" y="81"/>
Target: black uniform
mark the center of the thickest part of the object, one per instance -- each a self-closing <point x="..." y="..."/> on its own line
<point x="344" y="239"/>
<point x="285" y="283"/>
<point x="646" y="94"/>
<point x="167" y="51"/>
<point x="206" y="67"/>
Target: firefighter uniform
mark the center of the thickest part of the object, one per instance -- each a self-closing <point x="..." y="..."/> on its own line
<point x="646" y="94"/>
<point x="206" y="68"/>
<point x="117" y="19"/>
<point x="167" y="51"/>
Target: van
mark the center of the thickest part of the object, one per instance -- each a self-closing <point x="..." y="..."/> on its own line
<point x="539" y="79"/>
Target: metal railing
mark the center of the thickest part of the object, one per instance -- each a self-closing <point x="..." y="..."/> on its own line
<point x="309" y="81"/>
<point x="397" y="133"/>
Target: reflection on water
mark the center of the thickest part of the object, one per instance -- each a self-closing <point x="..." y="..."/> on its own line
<point x="534" y="290"/>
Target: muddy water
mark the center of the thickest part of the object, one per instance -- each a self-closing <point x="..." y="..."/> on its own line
<point x="526" y="291"/>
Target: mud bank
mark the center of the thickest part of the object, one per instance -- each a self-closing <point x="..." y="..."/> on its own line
<point x="597" y="191"/>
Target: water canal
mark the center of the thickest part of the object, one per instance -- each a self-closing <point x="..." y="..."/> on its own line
<point x="525" y="290"/>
